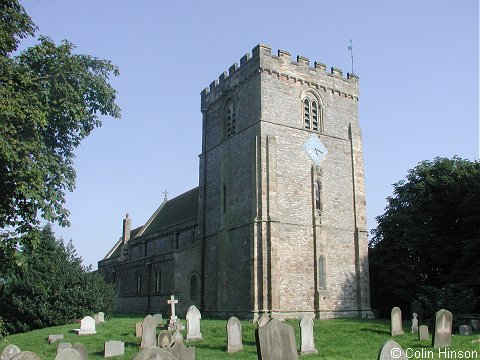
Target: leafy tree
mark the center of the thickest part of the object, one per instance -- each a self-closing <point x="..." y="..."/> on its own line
<point x="53" y="288"/>
<point x="427" y="242"/>
<point x="50" y="100"/>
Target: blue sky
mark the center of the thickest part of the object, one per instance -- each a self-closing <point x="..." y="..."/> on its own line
<point x="418" y="63"/>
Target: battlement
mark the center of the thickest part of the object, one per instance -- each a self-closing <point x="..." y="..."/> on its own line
<point x="262" y="56"/>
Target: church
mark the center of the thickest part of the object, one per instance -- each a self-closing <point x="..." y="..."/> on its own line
<point x="277" y="224"/>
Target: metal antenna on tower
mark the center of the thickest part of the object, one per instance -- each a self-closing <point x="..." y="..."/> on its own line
<point x="350" y="48"/>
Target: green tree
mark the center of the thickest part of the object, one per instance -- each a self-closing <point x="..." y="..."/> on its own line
<point x="50" y="100"/>
<point x="53" y="288"/>
<point x="427" y="242"/>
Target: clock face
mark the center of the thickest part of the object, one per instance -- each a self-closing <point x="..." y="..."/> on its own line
<point x="315" y="149"/>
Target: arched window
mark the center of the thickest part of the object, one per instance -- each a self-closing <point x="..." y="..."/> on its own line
<point x="139" y="283"/>
<point x="306" y="113"/>
<point x="158" y="281"/>
<point x="230" y="118"/>
<point x="318" y="190"/>
<point x="312" y="112"/>
<point x="193" y="287"/>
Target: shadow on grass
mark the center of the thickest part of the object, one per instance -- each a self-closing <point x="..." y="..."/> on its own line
<point x="376" y="331"/>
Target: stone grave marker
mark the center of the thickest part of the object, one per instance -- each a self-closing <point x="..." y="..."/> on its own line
<point x="101" y="317"/>
<point x="396" y="322"/>
<point x="164" y="339"/>
<point x="193" y="324"/>
<point x="95" y="317"/>
<point x="465" y="330"/>
<point x="173" y="317"/>
<point x="423" y="333"/>
<point x="177" y="335"/>
<point x="54" y="338"/>
<point x="276" y="341"/>
<point x="9" y="352"/>
<point x="154" y="353"/>
<point x="26" y="355"/>
<point x="113" y="348"/>
<point x="180" y="351"/>
<point x="392" y="351"/>
<point x="234" y="335"/>
<point x="87" y="326"/>
<point x="138" y="329"/>
<point x="159" y="319"/>
<point x="442" y="332"/>
<point x="63" y="345"/>
<point x="414" y="324"/>
<point x="264" y="319"/>
<point x="82" y="350"/>
<point x="306" y="336"/>
<point x="149" y="332"/>
<point x="475" y="324"/>
<point x="68" y="354"/>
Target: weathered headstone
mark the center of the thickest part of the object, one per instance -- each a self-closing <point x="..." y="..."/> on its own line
<point x="264" y="319"/>
<point x="177" y="335"/>
<point x="193" y="324"/>
<point x="154" y="353"/>
<point x="82" y="350"/>
<point x="113" y="348"/>
<point x="101" y="317"/>
<point x="138" y="329"/>
<point x="306" y="336"/>
<point x="442" y="332"/>
<point x="465" y="330"/>
<point x="95" y="317"/>
<point x="68" y="354"/>
<point x="180" y="351"/>
<point x="87" y="326"/>
<point x="63" y="345"/>
<point x="396" y="322"/>
<point x="9" y="352"/>
<point x="26" y="355"/>
<point x="149" y="332"/>
<point x="276" y="341"/>
<point x="414" y="324"/>
<point x="54" y="338"/>
<point x="159" y="319"/>
<point x="423" y="333"/>
<point x="392" y="351"/>
<point x="475" y="324"/>
<point x="173" y="317"/>
<point x="164" y="339"/>
<point x="234" y="335"/>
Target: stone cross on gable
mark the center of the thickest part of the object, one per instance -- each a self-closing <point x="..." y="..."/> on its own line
<point x="173" y="317"/>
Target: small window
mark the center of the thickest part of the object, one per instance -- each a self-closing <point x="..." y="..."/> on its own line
<point x="139" y="283"/>
<point x="306" y="113"/>
<point x="193" y="287"/>
<point x="321" y="273"/>
<point x="318" y="205"/>
<point x="312" y="112"/>
<point x="230" y="119"/>
<point x="158" y="282"/>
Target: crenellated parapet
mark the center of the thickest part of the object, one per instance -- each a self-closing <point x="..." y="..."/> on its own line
<point x="261" y="60"/>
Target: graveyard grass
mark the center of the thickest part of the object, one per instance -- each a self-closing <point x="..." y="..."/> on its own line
<point x="335" y="339"/>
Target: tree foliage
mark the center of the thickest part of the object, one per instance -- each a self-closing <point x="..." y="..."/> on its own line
<point x="50" y="100"/>
<point x="426" y="245"/>
<point x="53" y="288"/>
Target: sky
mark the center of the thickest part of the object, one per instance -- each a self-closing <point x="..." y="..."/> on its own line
<point x="418" y="64"/>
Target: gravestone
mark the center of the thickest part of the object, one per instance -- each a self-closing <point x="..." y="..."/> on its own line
<point x="68" y="354"/>
<point x="82" y="350"/>
<point x="154" y="353"/>
<point x="475" y="324"/>
<point x="159" y="319"/>
<point x="177" y="335"/>
<point x="173" y="317"/>
<point x="306" y="336"/>
<point x="423" y="333"/>
<point x="392" y="351"/>
<point x="101" y="317"/>
<point x="63" y="345"/>
<point x="164" y="339"/>
<point x="264" y="319"/>
<point x="54" y="338"/>
<point x="396" y="322"/>
<point x="9" y="352"/>
<point x="149" y="332"/>
<point x="26" y="355"/>
<point x="180" y="351"/>
<point x="87" y="326"/>
<point x="95" y="317"/>
<point x="113" y="348"/>
<point x="414" y="324"/>
<point x="442" y="332"/>
<point x="193" y="324"/>
<point x="465" y="330"/>
<point x="234" y="335"/>
<point x="138" y="329"/>
<point x="276" y="341"/>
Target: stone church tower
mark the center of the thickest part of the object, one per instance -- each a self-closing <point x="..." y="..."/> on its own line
<point x="274" y="230"/>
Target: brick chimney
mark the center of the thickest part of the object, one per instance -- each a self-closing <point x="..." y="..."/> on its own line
<point x="127" y="225"/>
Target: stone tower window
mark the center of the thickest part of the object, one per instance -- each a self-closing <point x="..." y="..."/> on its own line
<point x="230" y="118"/>
<point x="312" y="112"/>
<point x="193" y="287"/>
<point x="139" y="283"/>
<point x="322" y="283"/>
<point x="158" y="281"/>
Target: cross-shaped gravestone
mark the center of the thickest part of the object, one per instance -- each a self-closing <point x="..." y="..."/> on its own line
<point x="173" y="317"/>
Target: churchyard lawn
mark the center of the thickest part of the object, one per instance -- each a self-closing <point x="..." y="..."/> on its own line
<point x="335" y="339"/>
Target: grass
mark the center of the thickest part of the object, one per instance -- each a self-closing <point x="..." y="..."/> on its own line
<point x="335" y="339"/>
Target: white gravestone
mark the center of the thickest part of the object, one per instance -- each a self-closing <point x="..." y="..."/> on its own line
<point x="264" y="319"/>
<point x="149" y="332"/>
<point x="414" y="324"/>
<point x="396" y="322"/>
<point x="234" y="335"/>
<point x="87" y="326"/>
<point x="177" y="335"/>
<point x="193" y="323"/>
<point x="9" y="352"/>
<point x="392" y="351"/>
<point x="173" y="317"/>
<point x="101" y="317"/>
<point x="306" y="336"/>
<point x="442" y="333"/>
